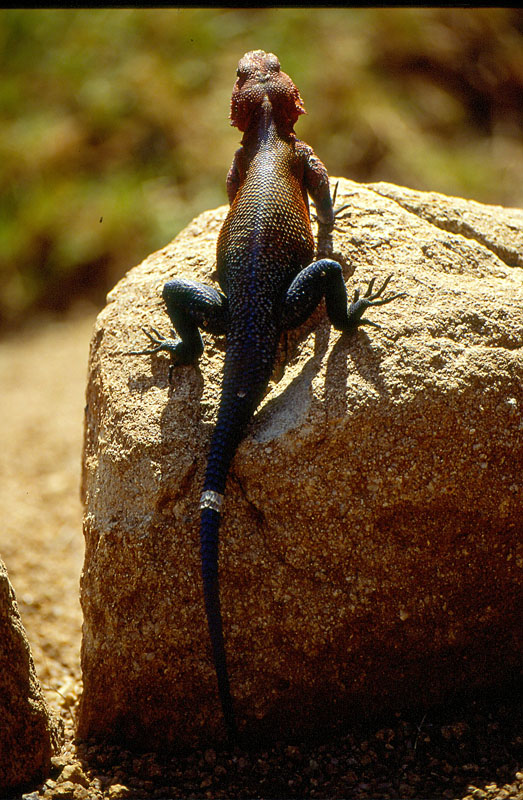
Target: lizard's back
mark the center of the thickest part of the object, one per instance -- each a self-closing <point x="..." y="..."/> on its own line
<point x="266" y="238"/>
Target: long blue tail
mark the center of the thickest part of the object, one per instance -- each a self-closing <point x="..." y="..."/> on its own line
<point x="236" y="409"/>
<point x="244" y="382"/>
<point x="209" y="534"/>
<point x="233" y="415"/>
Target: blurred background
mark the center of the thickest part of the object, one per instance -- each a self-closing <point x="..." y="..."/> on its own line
<point x="114" y="134"/>
<point x="114" y="129"/>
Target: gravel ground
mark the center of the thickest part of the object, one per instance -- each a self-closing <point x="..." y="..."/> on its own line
<point x="469" y="752"/>
<point x="472" y="750"/>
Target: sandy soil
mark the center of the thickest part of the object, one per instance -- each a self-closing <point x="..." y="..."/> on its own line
<point x="42" y="375"/>
<point x="469" y="751"/>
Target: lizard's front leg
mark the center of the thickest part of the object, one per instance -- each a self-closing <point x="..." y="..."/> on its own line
<point x="190" y="306"/>
<point x="324" y="278"/>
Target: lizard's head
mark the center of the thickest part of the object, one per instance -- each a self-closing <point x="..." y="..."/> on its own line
<point x="259" y="76"/>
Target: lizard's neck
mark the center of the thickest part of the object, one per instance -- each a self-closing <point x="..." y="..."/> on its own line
<point x="264" y="129"/>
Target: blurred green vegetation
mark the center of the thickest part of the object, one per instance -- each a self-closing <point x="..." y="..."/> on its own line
<point x="114" y="129"/>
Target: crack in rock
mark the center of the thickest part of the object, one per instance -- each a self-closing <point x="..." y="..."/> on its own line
<point x="450" y="214"/>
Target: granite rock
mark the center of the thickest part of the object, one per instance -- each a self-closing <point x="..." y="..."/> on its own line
<point x="29" y="733"/>
<point x="369" y="544"/>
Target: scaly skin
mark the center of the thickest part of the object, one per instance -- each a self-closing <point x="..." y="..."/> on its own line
<point x="264" y="248"/>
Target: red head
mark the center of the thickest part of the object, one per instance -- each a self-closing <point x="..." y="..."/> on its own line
<point x="259" y="76"/>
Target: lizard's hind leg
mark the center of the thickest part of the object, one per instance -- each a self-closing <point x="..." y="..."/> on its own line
<point x="190" y="306"/>
<point x="324" y="278"/>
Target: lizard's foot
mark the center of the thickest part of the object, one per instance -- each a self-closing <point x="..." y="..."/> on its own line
<point x="324" y="247"/>
<point x="337" y="211"/>
<point x="359" y="305"/>
<point x="180" y="353"/>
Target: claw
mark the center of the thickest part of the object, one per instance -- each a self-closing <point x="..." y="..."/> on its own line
<point x="368" y="293"/>
<point x="365" y="321"/>
<point x="371" y="298"/>
<point x="334" y="195"/>
<point x="340" y="209"/>
<point x="378" y="291"/>
<point x="375" y="298"/>
<point x="382" y="301"/>
<point x="159" y="341"/>
<point x="159" y="336"/>
<point x="144" y="352"/>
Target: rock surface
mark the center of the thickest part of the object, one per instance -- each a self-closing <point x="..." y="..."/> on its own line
<point x="373" y="513"/>
<point x="29" y="733"/>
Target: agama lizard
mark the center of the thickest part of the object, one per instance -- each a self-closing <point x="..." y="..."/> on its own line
<point x="268" y="285"/>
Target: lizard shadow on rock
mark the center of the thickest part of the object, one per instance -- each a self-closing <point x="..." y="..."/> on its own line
<point x="285" y="411"/>
<point x="365" y="359"/>
<point x="159" y="376"/>
<point x="189" y="380"/>
<point x="288" y="407"/>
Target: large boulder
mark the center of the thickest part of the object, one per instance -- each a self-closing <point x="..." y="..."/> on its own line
<point x="29" y="733"/>
<point x="369" y="545"/>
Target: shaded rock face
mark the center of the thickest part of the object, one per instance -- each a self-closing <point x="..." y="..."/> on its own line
<point x="369" y="543"/>
<point x="29" y="733"/>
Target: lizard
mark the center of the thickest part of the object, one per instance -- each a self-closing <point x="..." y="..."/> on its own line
<point x="268" y="284"/>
